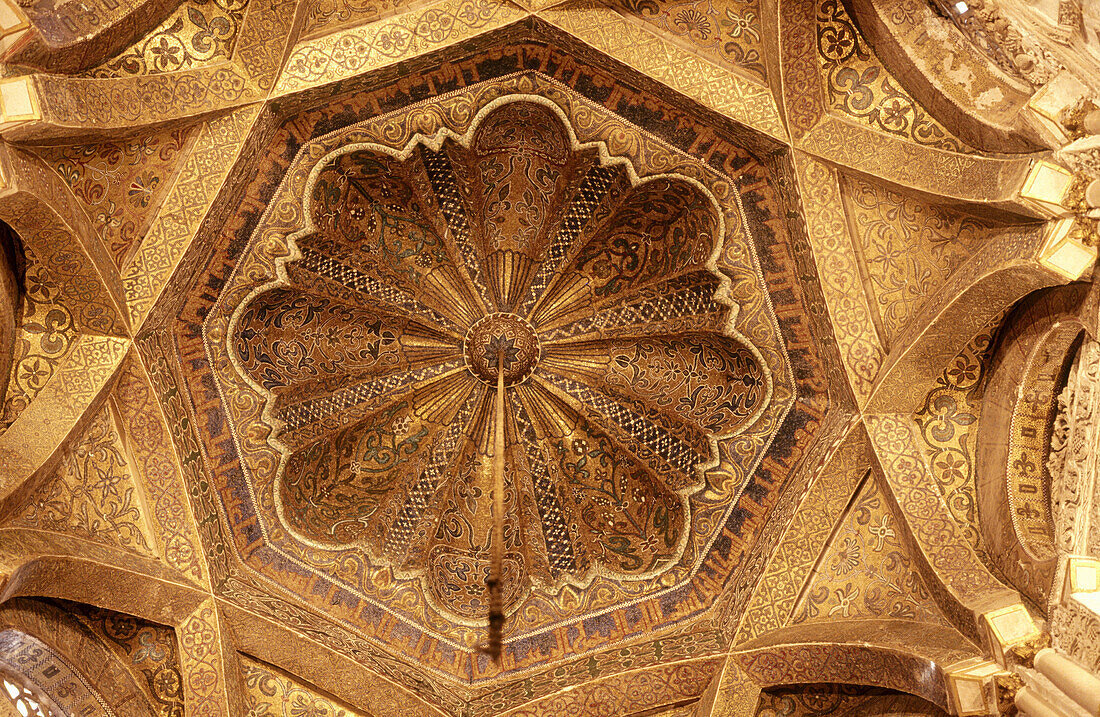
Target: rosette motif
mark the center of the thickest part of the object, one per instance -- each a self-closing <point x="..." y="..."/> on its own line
<point x="419" y="273"/>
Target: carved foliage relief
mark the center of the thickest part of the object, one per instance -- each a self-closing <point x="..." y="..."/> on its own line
<point x="1074" y="491"/>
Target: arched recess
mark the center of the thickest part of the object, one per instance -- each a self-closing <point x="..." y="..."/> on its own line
<point x="57" y="233"/>
<point x="1006" y="269"/>
<point x="68" y="37"/>
<point x="12" y="265"/>
<point x="49" y="220"/>
<point x="899" y="655"/>
<point x="26" y="701"/>
<point x="208" y="660"/>
<point x="1034" y="350"/>
<point x="151" y="593"/>
<point x="51" y="652"/>
<point x="316" y="663"/>
<point x="979" y="101"/>
<point x="811" y="700"/>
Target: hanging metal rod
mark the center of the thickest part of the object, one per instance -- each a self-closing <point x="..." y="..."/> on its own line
<point x="494" y="583"/>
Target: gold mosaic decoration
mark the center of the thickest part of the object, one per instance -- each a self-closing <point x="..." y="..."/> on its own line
<point x="60" y="405"/>
<point x="270" y="693"/>
<point x="865" y="571"/>
<point x="730" y="94"/>
<point x="351" y="52"/>
<point x="326" y="16"/>
<point x="44" y="337"/>
<point x="601" y="309"/>
<point x="198" y="33"/>
<point x="202" y="173"/>
<point x="909" y="247"/>
<point x="775" y="603"/>
<point x="842" y="701"/>
<point x="859" y="87"/>
<point x="948" y="423"/>
<point x="595" y="204"/>
<point x="728" y="32"/>
<point x="92" y="493"/>
<point x="121" y="184"/>
<point x="860" y="345"/>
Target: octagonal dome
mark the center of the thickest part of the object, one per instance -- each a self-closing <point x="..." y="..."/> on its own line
<point x="419" y="272"/>
<point x="356" y="340"/>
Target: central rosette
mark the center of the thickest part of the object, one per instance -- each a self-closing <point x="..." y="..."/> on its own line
<point x="502" y="336"/>
<point x="422" y="273"/>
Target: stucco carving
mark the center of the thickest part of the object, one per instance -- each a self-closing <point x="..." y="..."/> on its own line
<point x="1072" y="461"/>
<point x="1026" y="56"/>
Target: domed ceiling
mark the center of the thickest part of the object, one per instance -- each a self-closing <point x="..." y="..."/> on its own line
<point x="361" y="335"/>
<point x="608" y="300"/>
<point x="624" y="259"/>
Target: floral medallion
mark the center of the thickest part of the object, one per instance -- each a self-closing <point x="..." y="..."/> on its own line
<point x="417" y="275"/>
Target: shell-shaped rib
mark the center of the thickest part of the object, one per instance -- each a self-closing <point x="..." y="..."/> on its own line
<point x="388" y="431"/>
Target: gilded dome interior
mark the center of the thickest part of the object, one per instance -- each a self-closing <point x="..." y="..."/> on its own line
<point x="422" y="269"/>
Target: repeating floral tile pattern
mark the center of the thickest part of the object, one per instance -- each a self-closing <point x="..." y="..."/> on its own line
<point x="858" y="86"/>
<point x="45" y="336"/>
<point x="807" y="534"/>
<point x="726" y="31"/>
<point x="948" y="422"/>
<point x="273" y="694"/>
<point x="122" y="184"/>
<point x="909" y="247"/>
<point x="198" y="33"/>
<point x="324" y="16"/>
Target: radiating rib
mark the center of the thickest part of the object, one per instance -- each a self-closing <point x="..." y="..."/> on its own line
<point x="628" y="520"/>
<point x="299" y="345"/>
<point x="587" y="202"/>
<point x="682" y="303"/>
<point x="386" y="294"/>
<point x="411" y="520"/>
<point x="340" y="489"/>
<point x="554" y="511"/>
<point x="445" y="185"/>
<point x="521" y="169"/>
<point x="672" y="457"/>
<point x="664" y="227"/>
<point x="309" y="420"/>
<point x="368" y="216"/>
<point x="692" y="385"/>
<point x="528" y="469"/>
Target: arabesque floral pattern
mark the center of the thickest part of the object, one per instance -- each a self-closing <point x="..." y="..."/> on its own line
<point x="419" y="274"/>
